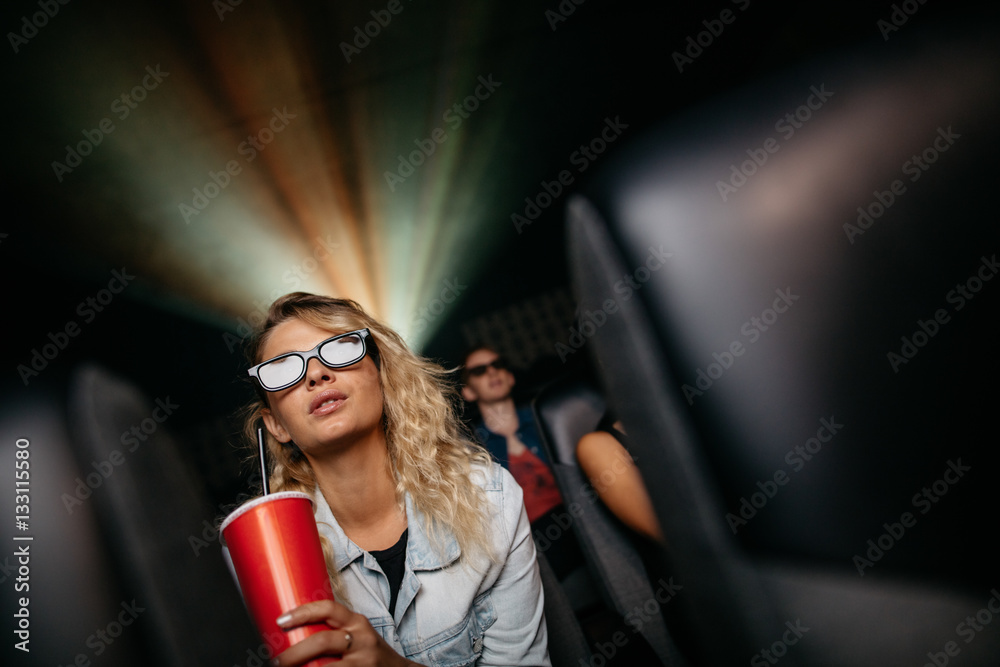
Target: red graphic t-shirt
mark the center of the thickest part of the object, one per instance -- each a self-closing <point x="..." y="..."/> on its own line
<point x="539" y="484"/>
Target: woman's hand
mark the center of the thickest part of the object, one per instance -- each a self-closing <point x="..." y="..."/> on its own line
<point x="350" y="636"/>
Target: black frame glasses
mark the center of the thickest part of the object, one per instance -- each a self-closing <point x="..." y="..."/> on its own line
<point x="368" y="347"/>
<point x="477" y="371"/>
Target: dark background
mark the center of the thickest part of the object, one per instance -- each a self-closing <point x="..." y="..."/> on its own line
<point x="166" y="333"/>
<point x="605" y="60"/>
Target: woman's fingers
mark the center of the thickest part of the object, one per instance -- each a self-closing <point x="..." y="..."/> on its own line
<point x="349" y="632"/>
<point x="328" y="643"/>
<point x="332" y="613"/>
<point x="351" y="637"/>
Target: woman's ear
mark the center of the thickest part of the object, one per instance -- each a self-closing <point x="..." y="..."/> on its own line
<point x="275" y="427"/>
<point x="469" y="394"/>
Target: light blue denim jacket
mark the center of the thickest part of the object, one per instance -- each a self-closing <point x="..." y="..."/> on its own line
<point x="447" y="613"/>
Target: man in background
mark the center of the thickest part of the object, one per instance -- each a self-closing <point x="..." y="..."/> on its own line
<point x="510" y="435"/>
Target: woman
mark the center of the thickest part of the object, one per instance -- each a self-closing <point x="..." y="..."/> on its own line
<point x="428" y="545"/>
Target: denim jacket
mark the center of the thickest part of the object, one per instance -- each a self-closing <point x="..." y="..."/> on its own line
<point x="448" y="614"/>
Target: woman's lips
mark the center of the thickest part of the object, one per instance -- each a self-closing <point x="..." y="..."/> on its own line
<point x="327" y="402"/>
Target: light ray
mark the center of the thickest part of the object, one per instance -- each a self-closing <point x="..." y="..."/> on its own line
<point x="264" y="172"/>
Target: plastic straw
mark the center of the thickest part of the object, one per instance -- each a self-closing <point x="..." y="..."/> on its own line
<point x="263" y="460"/>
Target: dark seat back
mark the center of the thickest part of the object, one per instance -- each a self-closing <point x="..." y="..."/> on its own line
<point x="567" y="641"/>
<point x="806" y="362"/>
<point x="565" y="411"/>
<point x="158" y="525"/>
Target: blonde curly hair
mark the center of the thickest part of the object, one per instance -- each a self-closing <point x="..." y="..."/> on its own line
<point x="431" y="452"/>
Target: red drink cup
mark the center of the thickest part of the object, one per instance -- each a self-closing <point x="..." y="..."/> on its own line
<point x="274" y="545"/>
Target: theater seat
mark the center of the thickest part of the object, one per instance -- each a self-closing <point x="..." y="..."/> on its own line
<point x="153" y="511"/>
<point x="567" y="642"/>
<point x="565" y="411"/>
<point x="807" y="364"/>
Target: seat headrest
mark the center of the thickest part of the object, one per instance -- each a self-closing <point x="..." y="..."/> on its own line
<point x="566" y="410"/>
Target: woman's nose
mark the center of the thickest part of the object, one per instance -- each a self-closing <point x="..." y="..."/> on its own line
<point x="316" y="372"/>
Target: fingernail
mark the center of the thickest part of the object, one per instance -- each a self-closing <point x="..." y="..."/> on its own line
<point x="284" y="618"/>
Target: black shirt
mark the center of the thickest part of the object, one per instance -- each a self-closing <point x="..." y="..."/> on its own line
<point x="393" y="562"/>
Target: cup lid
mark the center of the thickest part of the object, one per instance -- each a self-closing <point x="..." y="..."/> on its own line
<point x="260" y="500"/>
